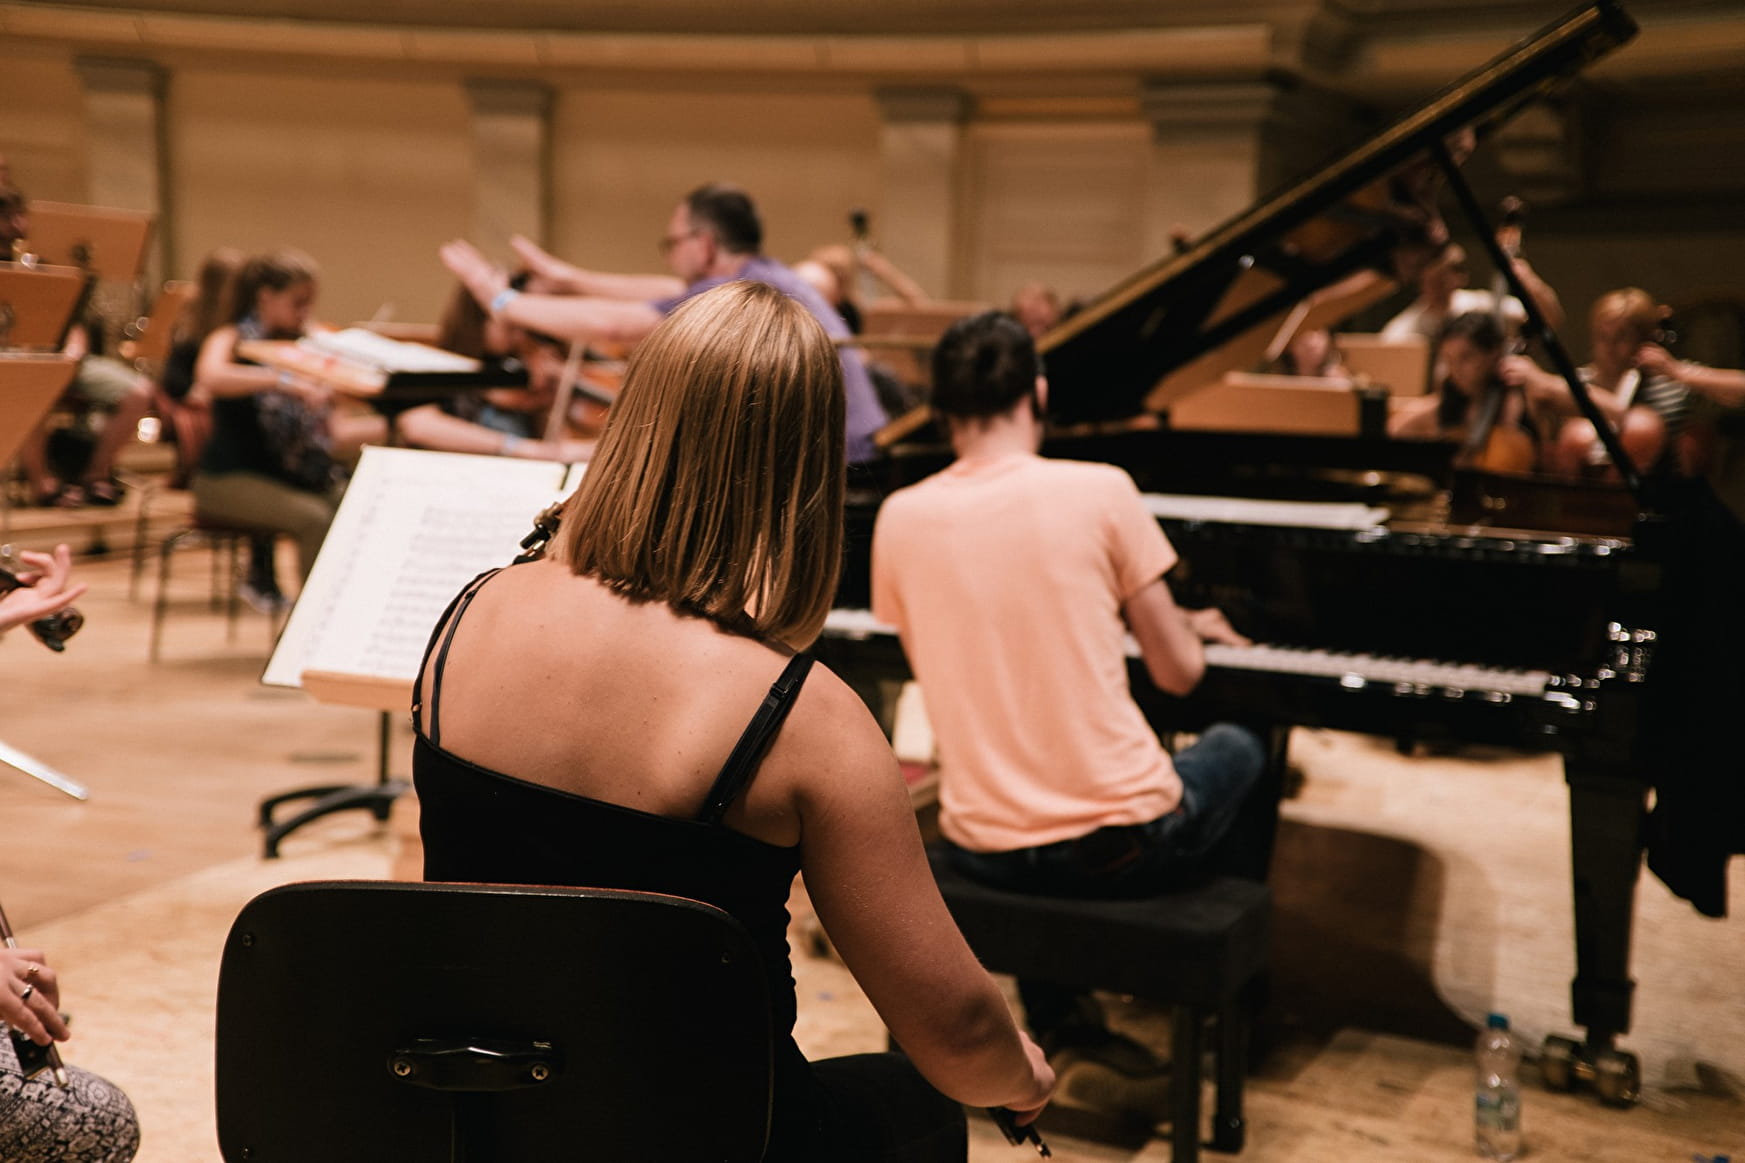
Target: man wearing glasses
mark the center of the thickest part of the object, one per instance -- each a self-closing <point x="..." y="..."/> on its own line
<point x="713" y="237"/>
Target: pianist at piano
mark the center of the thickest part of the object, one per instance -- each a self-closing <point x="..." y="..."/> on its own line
<point x="715" y="235"/>
<point x="1013" y="581"/>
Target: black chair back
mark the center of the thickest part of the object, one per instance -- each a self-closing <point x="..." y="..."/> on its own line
<point x="361" y="1021"/>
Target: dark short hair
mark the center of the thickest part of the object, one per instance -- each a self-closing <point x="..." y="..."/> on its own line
<point x="728" y="212"/>
<point x="1479" y="328"/>
<point x="273" y="272"/>
<point x="983" y="366"/>
<point x="12" y="199"/>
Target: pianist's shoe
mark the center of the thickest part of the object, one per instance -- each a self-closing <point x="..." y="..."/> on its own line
<point x="1108" y="1074"/>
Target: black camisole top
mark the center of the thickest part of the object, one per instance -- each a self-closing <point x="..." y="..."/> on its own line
<point x="487" y="827"/>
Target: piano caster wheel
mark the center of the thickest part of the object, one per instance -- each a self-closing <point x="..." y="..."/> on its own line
<point x="1557" y="1062"/>
<point x="1614" y="1075"/>
<point x="1617" y="1078"/>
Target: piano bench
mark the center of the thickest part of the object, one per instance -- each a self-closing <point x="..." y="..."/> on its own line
<point x="1197" y="950"/>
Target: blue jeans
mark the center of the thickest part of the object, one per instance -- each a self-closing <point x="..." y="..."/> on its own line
<point x="1220" y="827"/>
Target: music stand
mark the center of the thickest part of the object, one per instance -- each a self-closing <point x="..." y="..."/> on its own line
<point x="37" y="305"/>
<point x="100" y="240"/>
<point x="29" y="386"/>
<point x="361" y="1021"/>
<point x="1400" y="365"/>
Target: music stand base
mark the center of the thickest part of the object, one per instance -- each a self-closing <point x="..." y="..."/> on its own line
<point x="37" y="769"/>
<point x="378" y="798"/>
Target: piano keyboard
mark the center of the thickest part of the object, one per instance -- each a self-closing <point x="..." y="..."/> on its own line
<point x="1354" y="671"/>
<point x="1243" y="511"/>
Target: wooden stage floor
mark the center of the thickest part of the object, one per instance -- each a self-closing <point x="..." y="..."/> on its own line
<point x="1414" y="895"/>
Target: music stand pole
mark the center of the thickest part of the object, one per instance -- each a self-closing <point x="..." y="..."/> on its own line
<point x="37" y="769"/>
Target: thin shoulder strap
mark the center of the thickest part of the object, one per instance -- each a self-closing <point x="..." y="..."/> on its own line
<point x="451" y="618"/>
<point x="742" y="764"/>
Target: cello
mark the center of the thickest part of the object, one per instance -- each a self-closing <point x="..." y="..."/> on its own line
<point x="1490" y="446"/>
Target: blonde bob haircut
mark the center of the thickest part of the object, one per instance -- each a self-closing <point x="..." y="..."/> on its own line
<point x="717" y="485"/>
<point x="1631" y="306"/>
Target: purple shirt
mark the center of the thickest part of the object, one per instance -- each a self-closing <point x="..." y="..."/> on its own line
<point x="865" y="416"/>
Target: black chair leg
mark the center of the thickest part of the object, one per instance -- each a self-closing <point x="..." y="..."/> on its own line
<point x="1184" y="1098"/>
<point x="161" y="606"/>
<point x="1229" y="1131"/>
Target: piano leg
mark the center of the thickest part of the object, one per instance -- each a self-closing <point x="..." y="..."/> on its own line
<point x="1606" y="808"/>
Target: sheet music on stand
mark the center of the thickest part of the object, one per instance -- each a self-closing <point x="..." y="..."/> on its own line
<point x="414" y="527"/>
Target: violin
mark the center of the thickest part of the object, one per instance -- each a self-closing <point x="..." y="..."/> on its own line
<point x="53" y="630"/>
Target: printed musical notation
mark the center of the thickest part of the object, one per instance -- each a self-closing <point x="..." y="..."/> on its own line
<point x="413" y="529"/>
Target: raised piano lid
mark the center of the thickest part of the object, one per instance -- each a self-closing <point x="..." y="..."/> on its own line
<point x="1187" y="319"/>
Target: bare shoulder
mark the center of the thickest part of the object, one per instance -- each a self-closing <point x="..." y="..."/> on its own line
<point x="831" y="746"/>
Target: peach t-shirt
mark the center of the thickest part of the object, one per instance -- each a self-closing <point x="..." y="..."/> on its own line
<point x="1006" y="580"/>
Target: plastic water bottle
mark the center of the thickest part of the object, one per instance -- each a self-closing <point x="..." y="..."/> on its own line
<point x="1499" y="1092"/>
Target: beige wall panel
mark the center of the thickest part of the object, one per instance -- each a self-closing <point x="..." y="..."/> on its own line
<point x="368" y="177"/>
<point x="42" y="122"/>
<point x="1062" y="202"/>
<point x="622" y="159"/>
<point x="1199" y="181"/>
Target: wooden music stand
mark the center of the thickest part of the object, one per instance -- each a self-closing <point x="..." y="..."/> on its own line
<point x="29" y="386"/>
<point x="901" y="336"/>
<point x="1400" y="365"/>
<point x="106" y="242"/>
<point x="414" y="527"/>
<point x="37" y="305"/>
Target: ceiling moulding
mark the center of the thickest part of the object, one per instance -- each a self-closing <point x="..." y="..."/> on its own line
<point x="1201" y="51"/>
<point x="1394" y="63"/>
<point x="75" y="24"/>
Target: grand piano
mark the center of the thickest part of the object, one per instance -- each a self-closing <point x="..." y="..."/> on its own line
<point x="1391" y="590"/>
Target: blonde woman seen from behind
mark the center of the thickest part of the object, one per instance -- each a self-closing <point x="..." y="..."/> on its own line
<point x="699" y="553"/>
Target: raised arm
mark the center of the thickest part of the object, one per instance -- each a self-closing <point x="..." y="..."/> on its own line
<point x="870" y="884"/>
<point x="894" y="280"/>
<point x="1550" y="391"/>
<point x="564" y="278"/>
<point x="588" y="318"/>
<point x="1723" y="385"/>
<point x="1544" y="297"/>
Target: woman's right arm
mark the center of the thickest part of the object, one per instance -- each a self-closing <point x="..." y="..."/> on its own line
<point x="868" y="879"/>
<point x="218" y="376"/>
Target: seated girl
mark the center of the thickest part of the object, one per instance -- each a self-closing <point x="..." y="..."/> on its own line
<point x="269" y="463"/>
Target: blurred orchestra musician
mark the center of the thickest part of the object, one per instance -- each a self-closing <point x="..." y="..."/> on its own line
<point x="834" y="272"/>
<point x="506" y="421"/>
<point x="99" y="383"/>
<point x="1641" y="389"/>
<point x="714" y="236"/>
<point x="1037" y="307"/>
<point x="1443" y="295"/>
<point x="1476" y="387"/>
<point x="1312" y="351"/>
